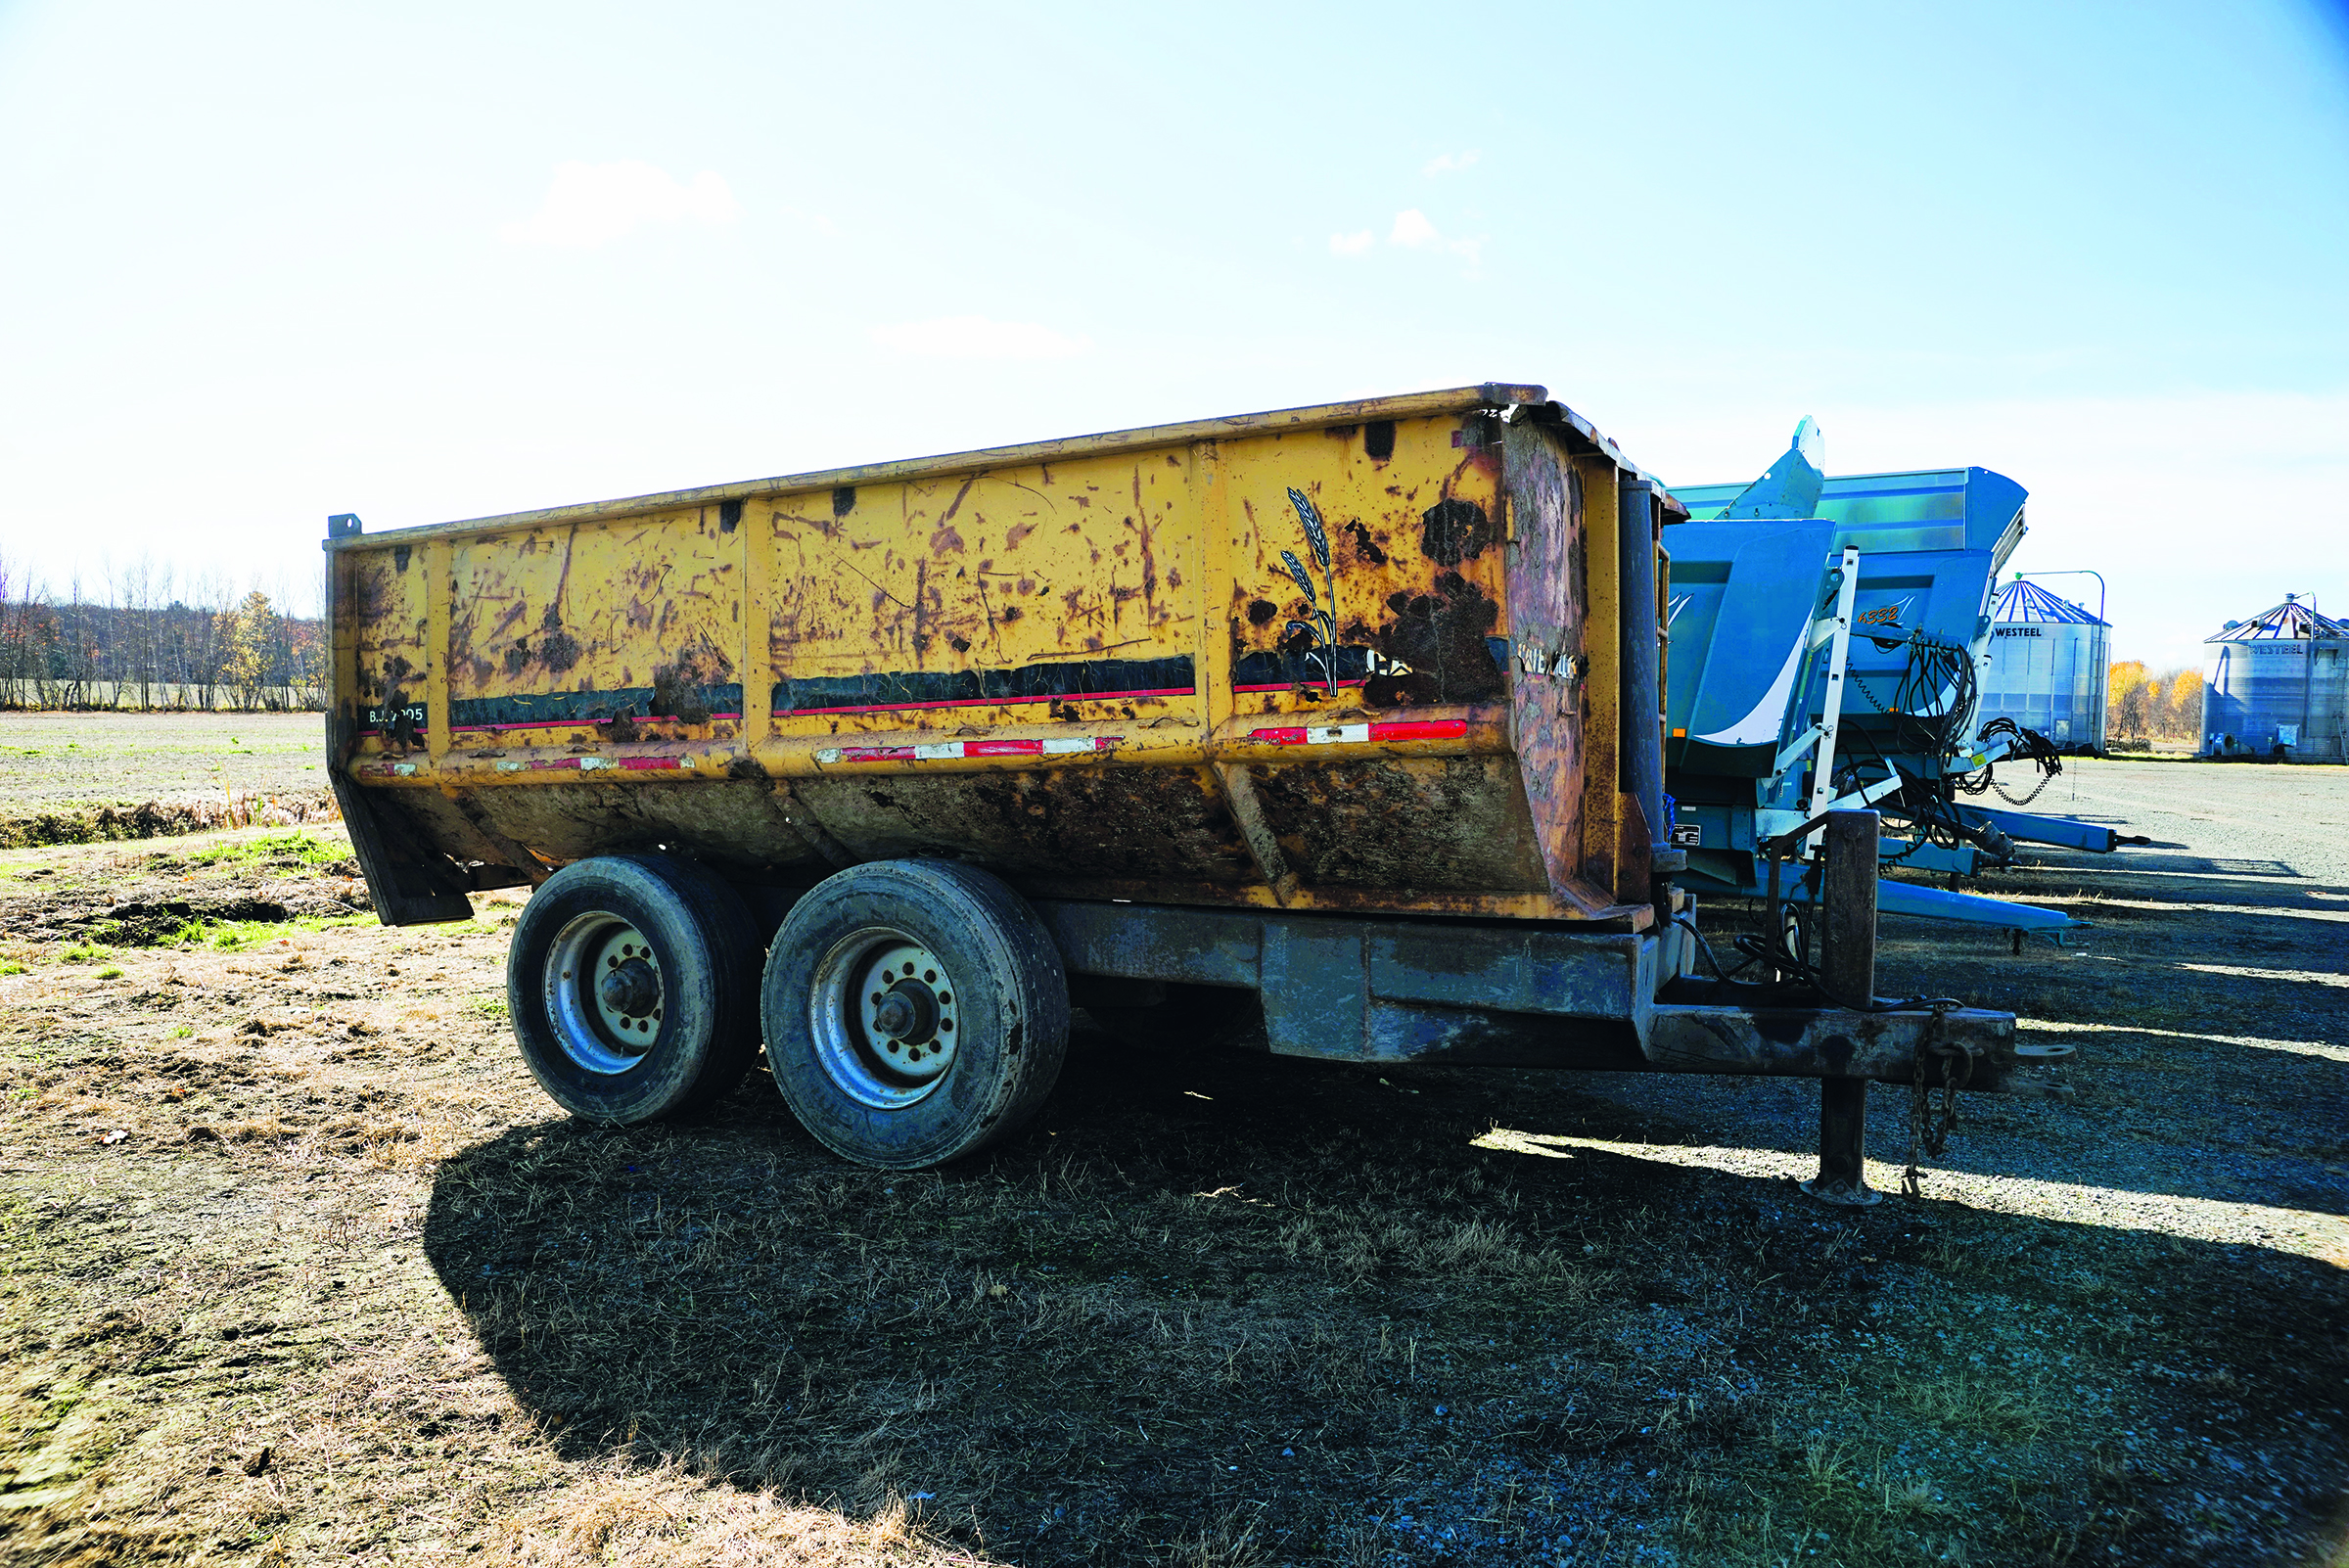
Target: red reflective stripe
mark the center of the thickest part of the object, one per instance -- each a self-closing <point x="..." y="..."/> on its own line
<point x="877" y="754"/>
<point x="640" y="763"/>
<point x="1003" y="748"/>
<point x="1420" y="730"/>
<point x="542" y="764"/>
<point x="1401" y="730"/>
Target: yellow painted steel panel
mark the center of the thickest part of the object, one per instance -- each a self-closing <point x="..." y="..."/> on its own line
<point x="1349" y="658"/>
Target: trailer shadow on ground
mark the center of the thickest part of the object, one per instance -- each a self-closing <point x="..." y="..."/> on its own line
<point x="1221" y="1308"/>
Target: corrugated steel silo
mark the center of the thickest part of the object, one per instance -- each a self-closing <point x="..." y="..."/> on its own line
<point x="2277" y="684"/>
<point x="2048" y="666"/>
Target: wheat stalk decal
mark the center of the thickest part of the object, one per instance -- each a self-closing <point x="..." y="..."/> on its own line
<point x="1322" y="627"/>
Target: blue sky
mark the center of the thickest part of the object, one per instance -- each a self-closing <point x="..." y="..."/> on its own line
<point x="422" y="263"/>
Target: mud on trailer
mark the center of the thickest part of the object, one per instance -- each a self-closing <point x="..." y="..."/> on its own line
<point x="1353" y="714"/>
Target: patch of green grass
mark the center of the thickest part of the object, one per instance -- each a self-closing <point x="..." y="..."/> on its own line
<point x="292" y="844"/>
<point x="1968" y="1402"/>
<point x="182" y="1032"/>
<point x="237" y="936"/>
<point x="110" y="972"/>
<point x="1817" y="1499"/>
<point x="11" y="968"/>
<point x="490" y="1007"/>
<point x="82" y="952"/>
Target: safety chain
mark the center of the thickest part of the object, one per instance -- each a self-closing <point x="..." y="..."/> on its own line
<point x="2043" y="780"/>
<point x="1929" y="1127"/>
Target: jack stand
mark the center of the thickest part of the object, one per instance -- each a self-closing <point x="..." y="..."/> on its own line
<point x="1842" y="1179"/>
<point x="1848" y="965"/>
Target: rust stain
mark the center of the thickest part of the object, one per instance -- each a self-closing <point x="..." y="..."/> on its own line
<point x="1440" y="636"/>
<point x="558" y="650"/>
<point x="1140" y="522"/>
<point x="1453" y="530"/>
<point x="955" y="505"/>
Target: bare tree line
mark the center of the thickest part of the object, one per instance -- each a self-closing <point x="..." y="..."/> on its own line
<point x="145" y="637"/>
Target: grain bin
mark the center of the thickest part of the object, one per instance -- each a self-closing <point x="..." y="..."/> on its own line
<point x="2277" y="684"/>
<point x="2048" y="666"/>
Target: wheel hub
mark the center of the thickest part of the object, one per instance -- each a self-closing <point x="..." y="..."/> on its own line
<point x="631" y="988"/>
<point x="604" y="993"/>
<point x="884" y="1017"/>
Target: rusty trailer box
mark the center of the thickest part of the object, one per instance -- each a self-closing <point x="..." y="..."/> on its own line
<point x="1352" y="657"/>
<point x="1284" y="703"/>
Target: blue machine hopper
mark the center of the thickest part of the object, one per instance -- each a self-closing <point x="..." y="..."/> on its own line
<point x="1764" y="681"/>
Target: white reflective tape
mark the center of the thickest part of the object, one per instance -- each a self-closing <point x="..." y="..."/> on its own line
<point x="588" y="765"/>
<point x="509" y="767"/>
<point x="1325" y="735"/>
<point x="1060" y="747"/>
<point x="828" y="754"/>
<point x="946" y="750"/>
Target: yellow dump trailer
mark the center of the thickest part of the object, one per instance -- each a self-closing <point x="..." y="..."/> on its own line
<point x="1350" y="710"/>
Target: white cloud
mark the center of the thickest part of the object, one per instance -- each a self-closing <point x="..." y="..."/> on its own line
<point x="1350" y="244"/>
<point x="1413" y="232"/>
<point x="1450" y="162"/>
<point x="593" y="204"/>
<point x="978" y="337"/>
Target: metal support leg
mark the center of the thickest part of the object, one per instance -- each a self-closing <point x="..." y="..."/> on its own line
<point x="1843" y="1145"/>
<point x="1848" y="964"/>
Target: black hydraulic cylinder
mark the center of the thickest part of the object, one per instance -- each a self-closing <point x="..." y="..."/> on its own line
<point x="1643" y="657"/>
<point x="1848" y="969"/>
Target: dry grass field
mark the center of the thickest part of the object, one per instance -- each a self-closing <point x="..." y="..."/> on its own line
<point x="297" y="1265"/>
<point x="67" y="778"/>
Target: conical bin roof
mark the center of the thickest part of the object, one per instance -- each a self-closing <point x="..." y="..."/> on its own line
<point x="2291" y="618"/>
<point x="2028" y="601"/>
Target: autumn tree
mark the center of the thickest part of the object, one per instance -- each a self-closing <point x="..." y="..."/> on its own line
<point x="2140" y="705"/>
<point x="2185" y="706"/>
<point x="2128" y="700"/>
<point x="250" y="636"/>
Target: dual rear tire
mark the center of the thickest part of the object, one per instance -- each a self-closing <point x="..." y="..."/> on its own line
<point x="914" y="1011"/>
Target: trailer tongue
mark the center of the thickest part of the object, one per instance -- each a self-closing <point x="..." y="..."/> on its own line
<point x="1352" y="713"/>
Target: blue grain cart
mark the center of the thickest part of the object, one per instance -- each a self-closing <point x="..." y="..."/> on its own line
<point x="1827" y="641"/>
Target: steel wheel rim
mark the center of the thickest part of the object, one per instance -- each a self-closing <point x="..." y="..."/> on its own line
<point x="885" y="1014"/>
<point x="605" y="993"/>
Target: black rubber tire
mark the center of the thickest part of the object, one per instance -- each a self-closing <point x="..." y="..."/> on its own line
<point x="1013" y="1015"/>
<point x="707" y="947"/>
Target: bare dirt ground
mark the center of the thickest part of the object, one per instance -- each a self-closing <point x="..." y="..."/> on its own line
<point x="299" y="1267"/>
<point x="70" y="778"/>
